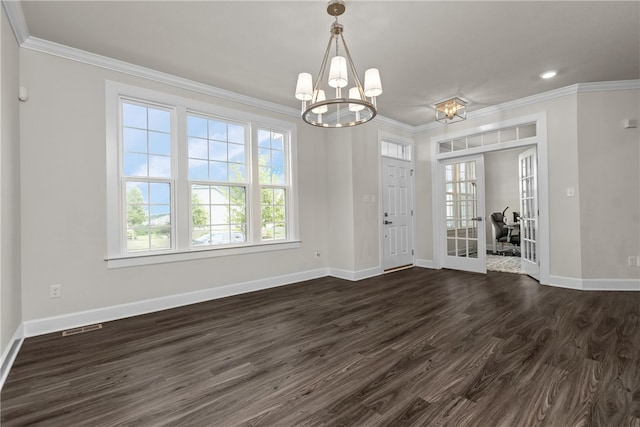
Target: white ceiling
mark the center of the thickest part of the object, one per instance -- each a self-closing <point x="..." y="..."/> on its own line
<point x="427" y="51"/>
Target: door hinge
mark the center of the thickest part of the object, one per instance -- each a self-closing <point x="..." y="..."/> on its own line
<point x="411" y="212"/>
<point x="412" y="252"/>
<point x="411" y="172"/>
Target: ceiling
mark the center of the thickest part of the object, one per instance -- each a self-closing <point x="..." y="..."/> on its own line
<point x="427" y="51"/>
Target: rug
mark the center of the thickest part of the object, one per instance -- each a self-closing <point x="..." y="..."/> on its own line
<point x="505" y="264"/>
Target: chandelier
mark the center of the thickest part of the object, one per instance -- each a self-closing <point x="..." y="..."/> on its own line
<point x="451" y="110"/>
<point x="349" y="107"/>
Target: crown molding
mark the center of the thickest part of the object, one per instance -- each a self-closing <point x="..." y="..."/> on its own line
<point x="63" y="51"/>
<point x="16" y="19"/>
<point x="608" y="86"/>
<point x="394" y="123"/>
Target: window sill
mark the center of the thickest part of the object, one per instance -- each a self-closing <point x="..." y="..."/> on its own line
<point x="194" y="254"/>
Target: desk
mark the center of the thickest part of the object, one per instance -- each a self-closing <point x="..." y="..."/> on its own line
<point x="511" y="228"/>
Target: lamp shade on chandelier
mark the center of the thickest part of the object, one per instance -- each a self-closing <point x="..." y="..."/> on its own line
<point x="331" y="102"/>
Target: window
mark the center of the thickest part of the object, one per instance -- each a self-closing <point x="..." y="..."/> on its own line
<point x="273" y="180"/>
<point x="147" y="176"/>
<point x="185" y="177"/>
<point x="502" y="136"/>
<point x="217" y="175"/>
<point x="395" y="150"/>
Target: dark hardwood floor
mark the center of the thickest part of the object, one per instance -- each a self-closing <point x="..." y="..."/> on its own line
<point x="416" y="347"/>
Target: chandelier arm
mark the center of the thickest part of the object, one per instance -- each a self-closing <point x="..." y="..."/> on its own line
<point x="322" y="70"/>
<point x="353" y="67"/>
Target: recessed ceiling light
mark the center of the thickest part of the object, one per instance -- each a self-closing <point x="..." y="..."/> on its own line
<point x="548" y="74"/>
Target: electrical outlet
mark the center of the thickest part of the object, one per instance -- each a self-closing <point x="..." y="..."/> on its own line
<point x="633" y="261"/>
<point x="317" y="253"/>
<point x="55" y="291"/>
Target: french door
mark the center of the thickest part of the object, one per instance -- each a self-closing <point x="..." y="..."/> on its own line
<point x="397" y="221"/>
<point x="528" y="175"/>
<point x="462" y="233"/>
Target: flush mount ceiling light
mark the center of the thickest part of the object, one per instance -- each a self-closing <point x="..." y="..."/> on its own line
<point x="349" y="107"/>
<point x="451" y="110"/>
<point x="548" y="74"/>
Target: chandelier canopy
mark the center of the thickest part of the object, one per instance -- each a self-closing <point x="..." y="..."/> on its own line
<point x="349" y="107"/>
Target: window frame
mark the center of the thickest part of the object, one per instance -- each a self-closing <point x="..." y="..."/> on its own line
<point x="181" y="224"/>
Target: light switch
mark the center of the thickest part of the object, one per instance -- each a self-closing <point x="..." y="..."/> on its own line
<point x="571" y="192"/>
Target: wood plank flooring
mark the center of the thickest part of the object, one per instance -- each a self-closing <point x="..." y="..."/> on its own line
<point x="416" y="347"/>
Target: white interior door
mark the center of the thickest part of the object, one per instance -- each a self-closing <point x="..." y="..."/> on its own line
<point x="528" y="174"/>
<point x="397" y="218"/>
<point x="462" y="233"/>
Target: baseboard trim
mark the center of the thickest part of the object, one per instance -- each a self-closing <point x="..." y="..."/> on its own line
<point x="10" y="353"/>
<point x="354" y="276"/>
<point x="611" y="284"/>
<point x="594" y="284"/>
<point x="47" y="325"/>
<point x="106" y="314"/>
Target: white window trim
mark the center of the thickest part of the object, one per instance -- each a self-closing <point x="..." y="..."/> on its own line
<point x="182" y="251"/>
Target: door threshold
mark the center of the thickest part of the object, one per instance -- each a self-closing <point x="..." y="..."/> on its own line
<point x="402" y="267"/>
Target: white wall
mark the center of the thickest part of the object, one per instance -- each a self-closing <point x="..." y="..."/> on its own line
<point x="10" y="293"/>
<point x="609" y="158"/>
<point x="502" y="189"/>
<point x="63" y="172"/>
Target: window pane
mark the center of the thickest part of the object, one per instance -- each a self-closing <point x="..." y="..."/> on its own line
<point x="218" y="151"/>
<point x="200" y="194"/>
<point x="148" y="216"/>
<point x="159" y="120"/>
<point x="159" y="143"/>
<point x="273" y="211"/>
<point x="160" y="238"/>
<point x="219" y="194"/>
<point x="159" y="193"/>
<point x="277" y="143"/>
<point x="236" y="133"/>
<point x="265" y="175"/>
<point x="217" y="130"/>
<point x="198" y="148"/>
<point x="160" y="166"/>
<point x="198" y="170"/>
<point x="135" y="165"/>
<point x="218" y="215"/>
<point x="134" y="116"/>
<point x="236" y="153"/>
<point x="197" y="127"/>
<point x="135" y="140"/>
<point x="264" y="156"/>
<point x="277" y="177"/>
<point x="218" y="171"/>
<point x="237" y="172"/>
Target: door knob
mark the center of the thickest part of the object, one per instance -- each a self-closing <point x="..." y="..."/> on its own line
<point x="387" y="222"/>
<point x="478" y="218"/>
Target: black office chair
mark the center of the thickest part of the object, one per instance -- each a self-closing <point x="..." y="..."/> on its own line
<point x="502" y="233"/>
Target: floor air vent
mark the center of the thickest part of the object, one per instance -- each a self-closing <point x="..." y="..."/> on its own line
<point x="82" y="330"/>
